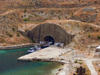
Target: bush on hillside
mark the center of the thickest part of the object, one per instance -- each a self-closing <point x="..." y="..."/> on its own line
<point x="10" y="35"/>
<point x="18" y="35"/>
<point x="76" y="61"/>
<point x="98" y="36"/>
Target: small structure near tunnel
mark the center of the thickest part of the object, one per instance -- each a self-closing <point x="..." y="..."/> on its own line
<point x="97" y="52"/>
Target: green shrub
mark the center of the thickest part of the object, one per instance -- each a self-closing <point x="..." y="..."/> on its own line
<point x="89" y="35"/>
<point x="30" y="15"/>
<point x="25" y="10"/>
<point x="35" y="15"/>
<point x="97" y="30"/>
<point x="10" y="35"/>
<point x="65" y="16"/>
<point x="59" y="11"/>
<point x="91" y="28"/>
<point x="98" y="36"/>
<point x="33" y="41"/>
<point x="75" y="61"/>
<point x="18" y="35"/>
<point x="72" y="14"/>
<point x="13" y="29"/>
<point x="80" y="63"/>
<point x="96" y="11"/>
<point x="25" y="19"/>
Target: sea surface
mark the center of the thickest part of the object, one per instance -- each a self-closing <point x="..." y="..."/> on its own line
<point x="10" y="66"/>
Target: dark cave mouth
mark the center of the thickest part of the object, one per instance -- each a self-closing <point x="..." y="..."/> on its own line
<point x="49" y="39"/>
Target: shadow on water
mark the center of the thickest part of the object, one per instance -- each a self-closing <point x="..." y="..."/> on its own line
<point x="10" y="66"/>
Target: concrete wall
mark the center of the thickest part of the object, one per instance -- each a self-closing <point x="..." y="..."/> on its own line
<point x="18" y="46"/>
<point x="48" y="29"/>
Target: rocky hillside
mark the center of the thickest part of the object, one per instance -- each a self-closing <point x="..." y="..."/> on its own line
<point x="18" y="4"/>
<point x="25" y="13"/>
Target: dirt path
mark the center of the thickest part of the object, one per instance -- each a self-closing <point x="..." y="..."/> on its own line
<point x="90" y="66"/>
<point x="10" y="11"/>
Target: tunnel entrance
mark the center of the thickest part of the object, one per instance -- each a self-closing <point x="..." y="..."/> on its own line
<point x="49" y="32"/>
<point x="49" y="39"/>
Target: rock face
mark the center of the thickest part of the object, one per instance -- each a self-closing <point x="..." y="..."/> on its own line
<point x="86" y="18"/>
<point x="46" y="30"/>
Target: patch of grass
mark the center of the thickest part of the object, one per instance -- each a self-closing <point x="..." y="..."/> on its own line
<point x="2" y="40"/>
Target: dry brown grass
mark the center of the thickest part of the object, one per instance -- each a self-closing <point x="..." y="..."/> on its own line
<point x="84" y="66"/>
<point x="2" y="40"/>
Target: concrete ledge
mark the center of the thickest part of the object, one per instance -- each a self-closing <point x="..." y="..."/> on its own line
<point x="44" y="60"/>
<point x="18" y="46"/>
<point x="49" y="54"/>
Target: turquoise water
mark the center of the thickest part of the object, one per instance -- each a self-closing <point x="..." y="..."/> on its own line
<point x="10" y="66"/>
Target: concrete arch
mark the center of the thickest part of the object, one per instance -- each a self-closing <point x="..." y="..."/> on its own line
<point x="48" y="35"/>
<point x="49" y="29"/>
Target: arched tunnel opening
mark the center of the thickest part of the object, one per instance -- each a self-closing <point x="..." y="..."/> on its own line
<point x="49" y="39"/>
